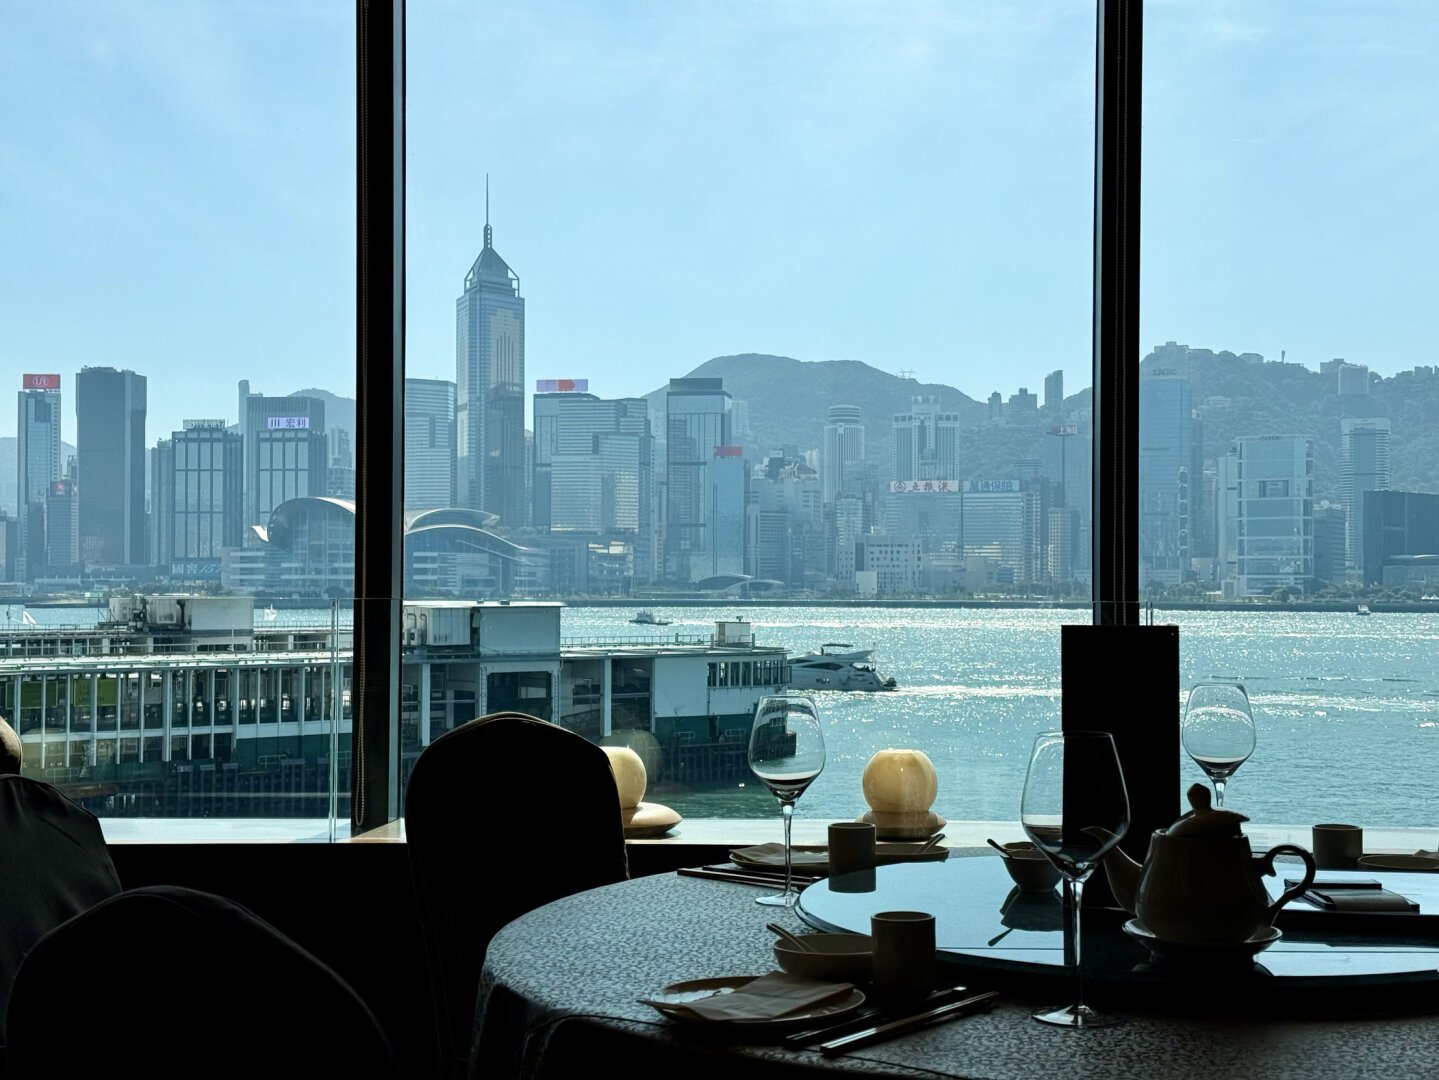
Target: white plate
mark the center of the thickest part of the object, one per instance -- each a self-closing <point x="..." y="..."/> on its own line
<point x="1203" y="954"/>
<point x="681" y="993"/>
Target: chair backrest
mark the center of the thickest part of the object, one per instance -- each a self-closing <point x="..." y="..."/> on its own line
<point x="53" y="866"/>
<point x="502" y="815"/>
<point x="243" y="999"/>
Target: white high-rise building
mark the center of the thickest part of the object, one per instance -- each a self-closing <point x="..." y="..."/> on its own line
<point x="842" y="457"/>
<point x="926" y="442"/>
<point x="429" y="444"/>
<point x="1266" y="533"/>
<point x="1363" y="466"/>
<point x="38" y="460"/>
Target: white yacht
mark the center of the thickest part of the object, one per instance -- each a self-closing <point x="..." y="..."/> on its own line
<point x="837" y="666"/>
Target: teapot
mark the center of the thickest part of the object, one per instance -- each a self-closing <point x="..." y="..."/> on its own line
<point x="1200" y="882"/>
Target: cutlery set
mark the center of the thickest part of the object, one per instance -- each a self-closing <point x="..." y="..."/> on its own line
<point x="875" y="1025"/>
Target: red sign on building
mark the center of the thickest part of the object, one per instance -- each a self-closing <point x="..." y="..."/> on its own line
<point x="42" y="382"/>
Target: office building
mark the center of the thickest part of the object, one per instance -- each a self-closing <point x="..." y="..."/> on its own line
<point x="1000" y="520"/>
<point x="1363" y="466"/>
<point x="110" y="409"/>
<point x="1328" y="542"/>
<point x="429" y="444"/>
<point x="1054" y="392"/>
<point x="697" y="420"/>
<point x="341" y="479"/>
<point x="847" y="528"/>
<point x="1023" y="407"/>
<point x="926" y="442"/>
<point x="1166" y="460"/>
<point x="1269" y="514"/>
<point x="842" y="456"/>
<point x="1353" y="379"/>
<point x="727" y="480"/>
<point x="38" y="466"/>
<point x="287" y="455"/>
<point x="490" y="389"/>
<point x="206" y="503"/>
<point x="1396" y="525"/>
<point x="162" y="501"/>
<point x="887" y="565"/>
<point x="62" y="525"/>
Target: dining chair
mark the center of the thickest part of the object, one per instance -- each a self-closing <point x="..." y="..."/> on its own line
<point x="166" y="982"/>
<point x="53" y="865"/>
<point x="502" y="815"/>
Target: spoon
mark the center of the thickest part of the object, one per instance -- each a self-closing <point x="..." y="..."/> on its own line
<point x="999" y="849"/>
<point x="798" y="942"/>
<point x="930" y="844"/>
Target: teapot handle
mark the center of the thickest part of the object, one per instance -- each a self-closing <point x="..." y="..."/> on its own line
<point x="1291" y="894"/>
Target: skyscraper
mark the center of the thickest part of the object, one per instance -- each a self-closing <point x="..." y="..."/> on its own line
<point x="287" y="455"/>
<point x="697" y="420"/>
<point x="38" y="459"/>
<point x="490" y="388"/>
<point x="1363" y="466"/>
<point x="842" y="459"/>
<point x="162" y="501"/>
<point x="110" y="410"/>
<point x="429" y="444"/>
<point x="207" y="509"/>
<point x="1054" y="392"/>
<point x="1166" y="459"/>
<point x="1269" y="513"/>
<point x="926" y="442"/>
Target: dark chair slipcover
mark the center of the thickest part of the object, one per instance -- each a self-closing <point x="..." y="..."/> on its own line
<point x="164" y="982"/>
<point x="502" y="815"/>
<point x="53" y="865"/>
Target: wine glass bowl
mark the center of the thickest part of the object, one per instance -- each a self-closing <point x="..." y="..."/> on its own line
<point x="1218" y="731"/>
<point x="786" y="753"/>
<point x="1075" y="808"/>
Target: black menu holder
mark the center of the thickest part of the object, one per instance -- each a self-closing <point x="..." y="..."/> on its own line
<point x="1125" y="680"/>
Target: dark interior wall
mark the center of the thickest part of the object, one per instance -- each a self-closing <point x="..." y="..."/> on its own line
<point x="349" y="904"/>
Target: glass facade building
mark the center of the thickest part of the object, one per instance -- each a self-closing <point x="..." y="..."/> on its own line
<point x="697" y="419"/>
<point x="287" y="455"/>
<point x="38" y="458"/>
<point x="429" y="444"/>
<point x="207" y="511"/>
<point x="1166" y="462"/>
<point x="110" y="409"/>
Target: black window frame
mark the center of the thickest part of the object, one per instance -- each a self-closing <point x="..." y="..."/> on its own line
<point x="380" y="369"/>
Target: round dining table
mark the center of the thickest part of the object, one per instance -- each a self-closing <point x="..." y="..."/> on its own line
<point x="561" y="988"/>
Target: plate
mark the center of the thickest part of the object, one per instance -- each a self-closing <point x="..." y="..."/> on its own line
<point x="916" y="825"/>
<point x="681" y="993"/>
<point x="815" y="859"/>
<point x="1210" y="954"/>
<point x="1398" y="862"/>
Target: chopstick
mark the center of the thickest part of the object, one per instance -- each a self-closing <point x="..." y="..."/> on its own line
<point x="870" y="1017"/>
<point x="871" y="1035"/>
<point x="738" y="877"/>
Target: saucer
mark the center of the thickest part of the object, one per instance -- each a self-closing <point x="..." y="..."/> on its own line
<point x="1397" y="862"/>
<point x="903" y="825"/>
<point x="1207" y="954"/>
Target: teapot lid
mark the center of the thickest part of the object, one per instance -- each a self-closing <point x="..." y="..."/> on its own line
<point x="1204" y="820"/>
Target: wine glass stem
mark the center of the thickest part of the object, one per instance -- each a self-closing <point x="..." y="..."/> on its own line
<point x="786" y="807"/>
<point x="1075" y="886"/>
<point x="1219" y="783"/>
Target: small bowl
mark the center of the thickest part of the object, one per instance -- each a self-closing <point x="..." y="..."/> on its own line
<point x="836" y="957"/>
<point x="1031" y="871"/>
<point x="1398" y="862"/>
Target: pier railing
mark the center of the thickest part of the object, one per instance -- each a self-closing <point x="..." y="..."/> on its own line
<point x="655" y="640"/>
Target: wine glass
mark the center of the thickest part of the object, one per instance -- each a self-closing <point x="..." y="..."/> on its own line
<point x="786" y="752"/>
<point x="1075" y="808"/>
<point x="1218" y="731"/>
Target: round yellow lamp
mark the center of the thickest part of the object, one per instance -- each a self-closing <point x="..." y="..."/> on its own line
<point x="900" y="786"/>
<point x="640" y="819"/>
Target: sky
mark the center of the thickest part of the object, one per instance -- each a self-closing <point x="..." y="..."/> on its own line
<point x="906" y="183"/>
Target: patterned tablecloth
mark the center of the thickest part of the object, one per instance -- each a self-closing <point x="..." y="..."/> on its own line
<point x="560" y="987"/>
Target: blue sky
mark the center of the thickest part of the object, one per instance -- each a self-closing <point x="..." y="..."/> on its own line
<point x="902" y="183"/>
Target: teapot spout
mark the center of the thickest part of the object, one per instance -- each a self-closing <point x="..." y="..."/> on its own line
<point x="1121" y="870"/>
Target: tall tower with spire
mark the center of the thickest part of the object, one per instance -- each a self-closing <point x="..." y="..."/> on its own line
<point x="490" y="387"/>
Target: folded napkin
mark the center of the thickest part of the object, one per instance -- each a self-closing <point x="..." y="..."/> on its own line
<point x="1360" y="900"/>
<point x="773" y="855"/>
<point x="765" y="998"/>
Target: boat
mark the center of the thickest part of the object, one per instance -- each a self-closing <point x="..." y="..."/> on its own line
<point x="837" y="666"/>
<point x="648" y="618"/>
<point x="1363" y="610"/>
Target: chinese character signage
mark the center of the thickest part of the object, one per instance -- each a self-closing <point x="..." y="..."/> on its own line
<point x="285" y="423"/>
<point x="41" y="382"/>
<point x="983" y="487"/>
<point x="923" y="487"/>
<point x="561" y="386"/>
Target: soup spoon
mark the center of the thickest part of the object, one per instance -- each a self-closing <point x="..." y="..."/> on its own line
<point x="798" y="942"/>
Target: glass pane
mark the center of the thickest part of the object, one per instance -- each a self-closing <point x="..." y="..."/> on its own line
<point x="716" y="302"/>
<point x="1288" y="469"/>
<point x="179" y="328"/>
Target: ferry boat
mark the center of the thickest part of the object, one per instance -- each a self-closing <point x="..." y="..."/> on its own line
<point x="1363" y="610"/>
<point x="649" y="618"/>
<point x="837" y="666"/>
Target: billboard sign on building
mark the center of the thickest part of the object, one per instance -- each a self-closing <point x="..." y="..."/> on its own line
<point x="989" y="487"/>
<point x="192" y="425"/>
<point x="923" y="487"/>
<point x="41" y="382"/>
<point x="561" y="386"/>
<point x="286" y="423"/>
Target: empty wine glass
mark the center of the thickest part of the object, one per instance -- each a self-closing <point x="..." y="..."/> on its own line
<point x="786" y="752"/>
<point x="1075" y="808"/>
<point x="1218" y="731"/>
